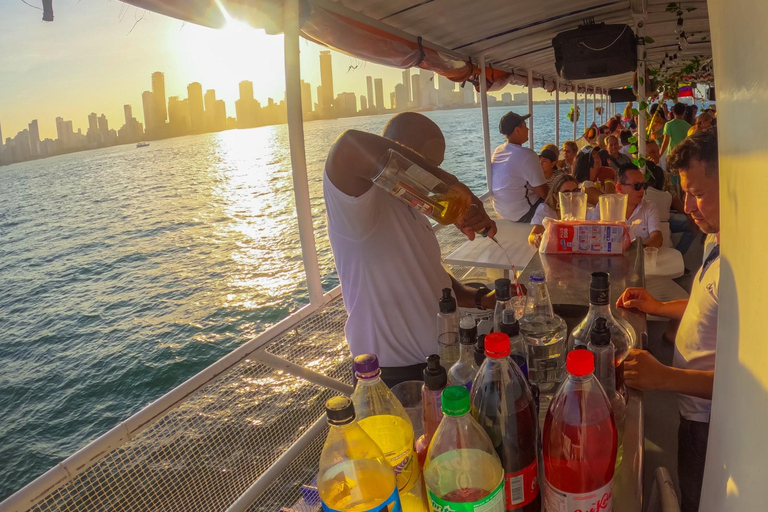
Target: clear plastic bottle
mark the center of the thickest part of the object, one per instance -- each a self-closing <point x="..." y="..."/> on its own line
<point x="435" y="381"/>
<point x="622" y="334"/>
<point x="463" y="372"/>
<point x="518" y="349"/>
<point x="480" y="350"/>
<point x="503" y="288"/>
<point x="383" y="418"/>
<point x="354" y="476"/>
<point x="579" y="441"/>
<point x="448" y="330"/>
<point x="545" y="334"/>
<point x="462" y="471"/>
<point x="502" y="403"/>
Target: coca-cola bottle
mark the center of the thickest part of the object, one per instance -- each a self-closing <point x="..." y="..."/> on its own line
<point x="518" y="349"/>
<point x="502" y="403"/>
<point x="579" y="442"/>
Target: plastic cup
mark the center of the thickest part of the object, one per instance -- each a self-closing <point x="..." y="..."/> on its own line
<point x="573" y="205"/>
<point x="613" y="207"/>
<point x="409" y="394"/>
<point x="651" y="258"/>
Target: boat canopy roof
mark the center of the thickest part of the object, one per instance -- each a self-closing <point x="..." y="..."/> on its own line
<point x="450" y="36"/>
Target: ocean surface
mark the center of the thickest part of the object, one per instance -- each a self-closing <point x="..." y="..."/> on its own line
<point x="124" y="271"/>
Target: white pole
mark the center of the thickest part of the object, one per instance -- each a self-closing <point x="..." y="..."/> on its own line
<point x="585" y="109"/>
<point x="557" y="112"/>
<point x="575" y="105"/>
<point x="298" y="157"/>
<point x="486" y="126"/>
<point x="530" y="109"/>
<point x="641" y="121"/>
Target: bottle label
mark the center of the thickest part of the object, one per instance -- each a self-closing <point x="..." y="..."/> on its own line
<point x="522" y="487"/>
<point x="600" y="500"/>
<point x="391" y="504"/>
<point x="401" y="458"/>
<point x="412" y="198"/>
<point x="493" y="502"/>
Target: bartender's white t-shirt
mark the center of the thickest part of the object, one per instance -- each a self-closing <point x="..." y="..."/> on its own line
<point x="389" y="264"/>
<point x="696" y="339"/>
<point x="515" y="170"/>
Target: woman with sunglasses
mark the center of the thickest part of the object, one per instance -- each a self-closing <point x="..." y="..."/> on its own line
<point x="550" y="208"/>
<point x="642" y="214"/>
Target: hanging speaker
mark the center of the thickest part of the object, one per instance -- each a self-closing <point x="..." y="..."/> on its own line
<point x="622" y="95"/>
<point x="594" y="51"/>
<point x="711" y="93"/>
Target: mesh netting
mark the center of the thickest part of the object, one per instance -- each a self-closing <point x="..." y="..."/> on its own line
<point x="204" y="454"/>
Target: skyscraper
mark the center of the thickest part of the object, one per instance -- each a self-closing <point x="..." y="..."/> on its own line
<point x="363" y="104"/>
<point x="178" y="116"/>
<point x="148" y="104"/>
<point x="468" y="92"/>
<point x="406" y="84"/>
<point x="416" y="90"/>
<point x="401" y="97"/>
<point x="128" y="114"/>
<point x="158" y="94"/>
<point x="306" y="97"/>
<point x="246" y="106"/>
<point x="210" y="106"/>
<point x="1" y="136"/>
<point x="93" y="122"/>
<point x="326" y="81"/>
<point x="103" y="124"/>
<point x="34" y="138"/>
<point x="379" y="94"/>
<point x="196" y="111"/>
<point x="445" y="90"/>
<point x="428" y="93"/>
<point x="369" y="83"/>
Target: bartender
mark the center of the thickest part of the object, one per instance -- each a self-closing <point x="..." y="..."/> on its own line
<point x="387" y="256"/>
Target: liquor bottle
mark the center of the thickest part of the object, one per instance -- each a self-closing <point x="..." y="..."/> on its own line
<point x="502" y="403"/>
<point x="579" y="442"/>
<point x="435" y="381"/>
<point x="462" y="472"/>
<point x="354" y="476"/>
<point x="622" y="333"/>
<point x="518" y="349"/>
<point x="448" y="330"/>
<point x="503" y="288"/>
<point x="383" y="417"/>
<point x="480" y="350"/>
<point x="545" y="334"/>
<point x="420" y="189"/>
<point x="463" y="372"/>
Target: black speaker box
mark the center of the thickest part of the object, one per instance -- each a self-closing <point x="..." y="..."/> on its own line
<point x="621" y="95"/>
<point x="711" y="93"/>
<point x="595" y="51"/>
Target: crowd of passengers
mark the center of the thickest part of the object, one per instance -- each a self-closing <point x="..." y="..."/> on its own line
<point x="388" y="258"/>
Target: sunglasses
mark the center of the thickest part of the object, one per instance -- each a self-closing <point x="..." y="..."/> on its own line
<point x="637" y="186"/>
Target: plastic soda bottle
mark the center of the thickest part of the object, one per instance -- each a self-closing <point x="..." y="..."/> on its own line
<point x="435" y="380"/>
<point x="579" y="442"/>
<point x="383" y="417"/>
<point x="448" y="330"/>
<point x="354" y="476"/>
<point x="463" y="372"/>
<point x="462" y="471"/>
<point x="480" y="350"/>
<point x="502" y="403"/>
<point x="518" y="349"/>
<point x="503" y="287"/>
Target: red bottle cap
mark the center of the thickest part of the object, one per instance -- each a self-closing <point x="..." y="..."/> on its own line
<point x="497" y="345"/>
<point x="580" y="362"/>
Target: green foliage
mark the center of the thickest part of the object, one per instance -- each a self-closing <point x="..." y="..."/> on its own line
<point x="632" y="149"/>
<point x="640" y="80"/>
<point x="649" y="40"/>
<point x="632" y="140"/>
<point x="643" y="105"/>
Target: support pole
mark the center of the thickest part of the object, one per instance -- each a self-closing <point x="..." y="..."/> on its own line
<point x="557" y="112"/>
<point x="575" y="106"/>
<point x="530" y="109"/>
<point x="486" y="127"/>
<point x="585" y="108"/>
<point x="298" y="156"/>
<point x="641" y="120"/>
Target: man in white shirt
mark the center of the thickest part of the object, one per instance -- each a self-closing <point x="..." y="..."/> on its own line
<point x="387" y="256"/>
<point x="517" y="180"/>
<point x="693" y="371"/>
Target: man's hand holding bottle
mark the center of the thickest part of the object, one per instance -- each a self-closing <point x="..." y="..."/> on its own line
<point x="476" y="220"/>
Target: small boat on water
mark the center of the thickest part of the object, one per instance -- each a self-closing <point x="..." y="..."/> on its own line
<point x="220" y="441"/>
<point x="142" y="144"/>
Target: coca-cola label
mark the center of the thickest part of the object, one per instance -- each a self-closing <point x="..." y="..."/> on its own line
<point x="522" y="487"/>
<point x="600" y="500"/>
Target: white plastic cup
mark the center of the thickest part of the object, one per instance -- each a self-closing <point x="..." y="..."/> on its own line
<point x="573" y="205"/>
<point x="409" y="394"/>
<point x="651" y="258"/>
<point x="613" y="207"/>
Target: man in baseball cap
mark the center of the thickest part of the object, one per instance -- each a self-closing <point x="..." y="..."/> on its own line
<point x="517" y="180"/>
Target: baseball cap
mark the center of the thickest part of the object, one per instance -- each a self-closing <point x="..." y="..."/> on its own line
<point x="510" y="121"/>
<point x="549" y="155"/>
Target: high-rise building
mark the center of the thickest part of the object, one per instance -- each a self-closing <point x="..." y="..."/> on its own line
<point x="60" y="129"/>
<point x="346" y="104"/>
<point x="128" y="111"/>
<point x="428" y="93"/>
<point x="445" y="89"/>
<point x="158" y="94"/>
<point x="418" y="99"/>
<point x="179" y="121"/>
<point x="210" y="105"/>
<point x="521" y="98"/>
<point x="103" y="124"/>
<point x="406" y="84"/>
<point x="1" y="136"/>
<point x="93" y="122"/>
<point x="306" y="97"/>
<point x="196" y="110"/>
<point x="363" y="104"/>
<point x="34" y="138"/>
<point x="326" y="81"/>
<point x="468" y="93"/>
<point x="148" y="104"/>
<point x="246" y="108"/>
<point x="369" y="84"/>
<point x="401" y="97"/>
<point x="379" y="84"/>
<point x="219" y="115"/>
<point x="506" y="97"/>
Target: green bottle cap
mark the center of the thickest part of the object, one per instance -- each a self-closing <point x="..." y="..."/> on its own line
<point x="455" y="400"/>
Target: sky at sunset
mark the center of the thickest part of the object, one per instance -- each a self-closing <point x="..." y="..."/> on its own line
<point x="99" y="54"/>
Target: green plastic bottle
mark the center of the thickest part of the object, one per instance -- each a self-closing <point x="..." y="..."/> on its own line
<point x="463" y="473"/>
<point x="354" y="476"/>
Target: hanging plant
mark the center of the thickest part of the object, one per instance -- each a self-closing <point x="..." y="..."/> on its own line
<point x="573" y="114"/>
<point x="599" y="110"/>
